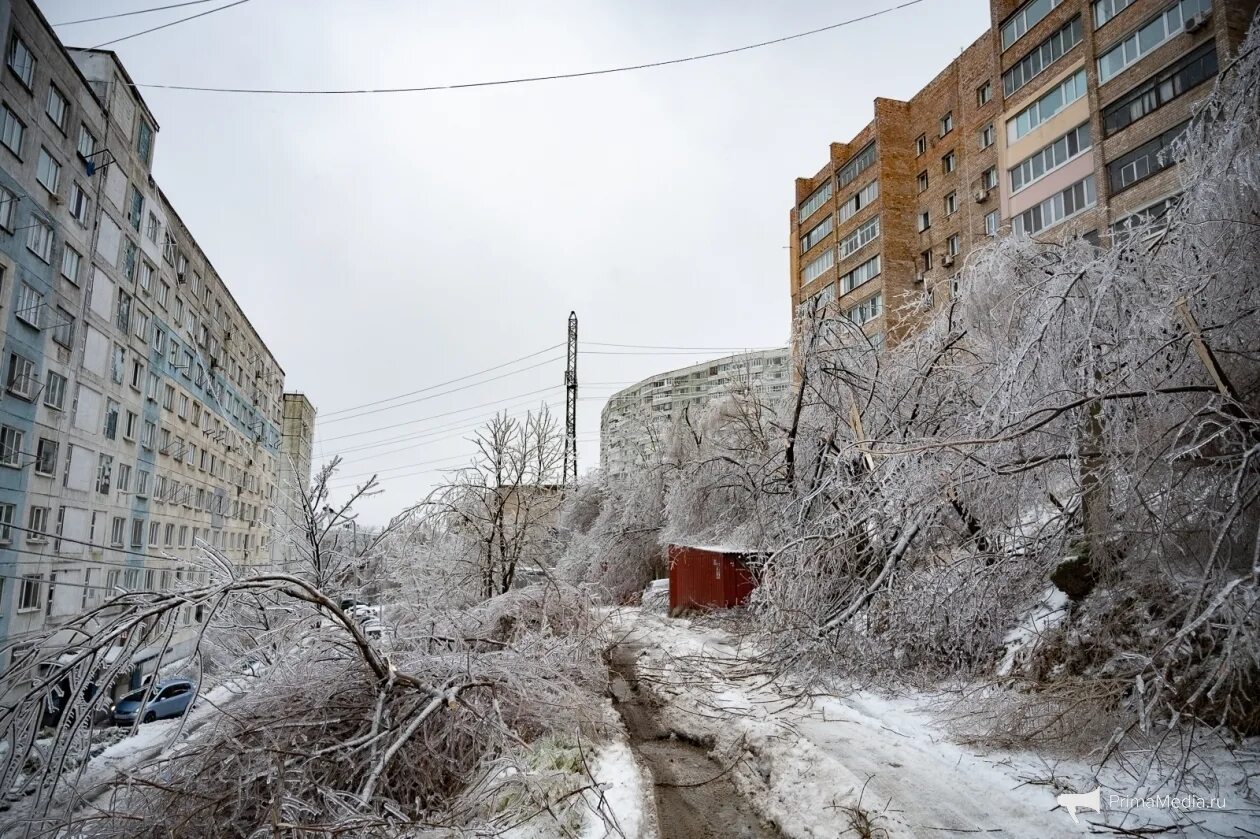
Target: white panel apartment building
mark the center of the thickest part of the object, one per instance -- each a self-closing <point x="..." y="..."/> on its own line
<point x="141" y="412"/>
<point x="635" y="419"/>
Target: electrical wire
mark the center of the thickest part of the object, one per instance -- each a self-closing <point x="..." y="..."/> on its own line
<point x="327" y="414"/>
<point x="531" y="79"/>
<point x="687" y="349"/>
<point x="136" y="12"/>
<point x="435" y="416"/>
<point x="542" y="363"/>
<point x="168" y="25"/>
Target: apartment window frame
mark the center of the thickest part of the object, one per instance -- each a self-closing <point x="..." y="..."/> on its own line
<point x="925" y="220"/>
<point x="992" y="223"/>
<point x="1020" y="22"/>
<point x="1138" y="44"/>
<point x="867" y="310"/>
<point x="1161" y="88"/>
<point x="862" y="236"/>
<point x="8" y="209"/>
<point x="859" y="201"/>
<point x="861" y="274"/>
<point x="46" y="450"/>
<point x="55" y="390"/>
<point x="57" y="107"/>
<point x="48" y="170"/>
<point x="1051" y="157"/>
<point x="21" y="61"/>
<point x="86" y="144"/>
<point x="951" y="203"/>
<point x="1055" y="209"/>
<point x="946" y="123"/>
<point x="984" y="93"/>
<point x="814" y="202"/>
<point x="949" y="162"/>
<point x="817" y="233"/>
<point x="31" y="593"/>
<point x="39" y="239"/>
<point x="920" y="145"/>
<point x="1043" y="56"/>
<point x="1047" y="106"/>
<point x="923" y="181"/>
<point x="989" y="178"/>
<point x="1144" y="161"/>
<point x="12" y="130"/>
<point x="818" y="266"/>
<point x="988" y="136"/>
<point x="857" y="164"/>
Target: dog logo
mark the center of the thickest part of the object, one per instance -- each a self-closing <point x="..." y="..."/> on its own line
<point x="1070" y="801"/>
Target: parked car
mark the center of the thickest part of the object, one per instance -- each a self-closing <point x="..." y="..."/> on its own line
<point x="168" y="698"/>
<point x="363" y="612"/>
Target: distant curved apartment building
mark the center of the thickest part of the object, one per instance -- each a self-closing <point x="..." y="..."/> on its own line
<point x="634" y="416"/>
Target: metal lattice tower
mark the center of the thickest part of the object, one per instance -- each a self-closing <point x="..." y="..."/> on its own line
<point x="570" y="405"/>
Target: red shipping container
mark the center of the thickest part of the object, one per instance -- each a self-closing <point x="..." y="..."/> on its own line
<point x="708" y="577"/>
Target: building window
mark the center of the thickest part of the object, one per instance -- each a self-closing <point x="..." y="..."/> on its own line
<point x="819" y="266"/>
<point x="867" y="310"/>
<point x="55" y="391"/>
<point x="860" y="199"/>
<point x="920" y="145"/>
<point x="57" y="108"/>
<point x="37" y="524"/>
<point x="1150" y="158"/>
<point x="949" y="162"/>
<point x="1149" y="37"/>
<point x="816" y="235"/>
<point x="1105" y="10"/>
<point x="129" y="427"/>
<point x="10" y="447"/>
<point x="135" y="208"/>
<point x="117" y="531"/>
<point x="12" y="130"/>
<point x="1152" y="218"/>
<point x="164" y="291"/>
<point x="947" y="123"/>
<point x="860" y="238"/>
<point x="984" y="93"/>
<point x="813" y="202"/>
<point x="925" y="220"/>
<point x="29" y="305"/>
<point x="21" y="61"/>
<point x="112" y="410"/>
<point x="46" y="457"/>
<point x="989" y="179"/>
<point x="142" y="483"/>
<point x="1025" y="18"/>
<point x="951" y="203"/>
<point x="152" y="228"/>
<point x="1042" y="56"/>
<point x="31" y="597"/>
<point x="146" y="437"/>
<point x="104" y="473"/>
<point x="1186" y="74"/>
<point x="952" y="245"/>
<point x="926" y="258"/>
<point x="1050" y="157"/>
<point x="80" y="204"/>
<point x="63" y="329"/>
<point x="39" y="239"/>
<point x="144" y="141"/>
<point x="8" y="209"/>
<point x="87" y="142"/>
<point x="1078" y="197"/>
<point x="860" y="275"/>
<point x="991" y="222"/>
<point x="137" y="533"/>
<point x="123" y="318"/>
<point x="923" y="181"/>
<point x="860" y="163"/>
<point x="7" y="512"/>
<point x="1053" y="101"/>
<point x="987" y="136"/>
<point x="48" y="170"/>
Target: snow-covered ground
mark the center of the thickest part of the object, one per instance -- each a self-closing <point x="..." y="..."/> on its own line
<point x="828" y="765"/>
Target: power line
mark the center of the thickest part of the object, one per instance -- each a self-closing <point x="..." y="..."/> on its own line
<point x="530" y="79"/>
<point x="168" y="25"/>
<point x="542" y="363"/>
<point x="136" y="12"/>
<point x="435" y="416"/>
<point x="688" y="349"/>
<point x="441" y="384"/>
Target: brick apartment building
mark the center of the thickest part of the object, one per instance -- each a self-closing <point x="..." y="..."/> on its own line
<point x="1051" y="123"/>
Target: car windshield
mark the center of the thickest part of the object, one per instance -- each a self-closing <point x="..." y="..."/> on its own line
<point x="135" y="696"/>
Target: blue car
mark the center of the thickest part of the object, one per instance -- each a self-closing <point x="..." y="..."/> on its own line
<point x="169" y="698"/>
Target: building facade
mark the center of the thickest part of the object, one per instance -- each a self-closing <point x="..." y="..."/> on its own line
<point x="1050" y="124"/>
<point x="635" y="419"/>
<point x="141" y="412"/>
<point x="297" y="434"/>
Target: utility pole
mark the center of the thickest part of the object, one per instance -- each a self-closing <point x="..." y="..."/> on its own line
<point x="570" y="406"/>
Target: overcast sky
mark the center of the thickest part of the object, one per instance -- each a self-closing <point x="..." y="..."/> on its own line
<point x="382" y="244"/>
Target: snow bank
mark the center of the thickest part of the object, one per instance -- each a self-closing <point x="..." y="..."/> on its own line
<point x="626" y="805"/>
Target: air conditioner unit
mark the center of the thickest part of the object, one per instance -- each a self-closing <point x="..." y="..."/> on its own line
<point x="1197" y="21"/>
<point x="948" y="260"/>
<point x="56" y="198"/>
<point x="920" y="277"/>
<point x="982" y="195"/>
